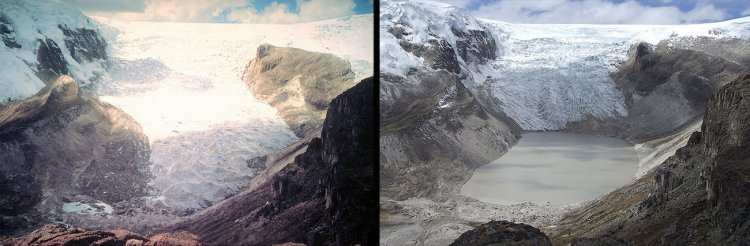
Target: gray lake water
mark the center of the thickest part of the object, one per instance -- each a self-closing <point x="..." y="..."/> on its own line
<point x="559" y="168"/>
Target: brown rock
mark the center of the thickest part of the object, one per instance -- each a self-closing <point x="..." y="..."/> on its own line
<point x="176" y="238"/>
<point x="53" y="234"/>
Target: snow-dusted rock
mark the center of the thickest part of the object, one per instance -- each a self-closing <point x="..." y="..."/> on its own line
<point x="44" y="39"/>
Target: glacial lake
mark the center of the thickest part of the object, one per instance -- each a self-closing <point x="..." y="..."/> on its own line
<point x="554" y="167"/>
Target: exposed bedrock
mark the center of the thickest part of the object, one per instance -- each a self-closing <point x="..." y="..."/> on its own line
<point x="699" y="195"/>
<point x="435" y="129"/>
<point x="666" y="87"/>
<point x="502" y="233"/>
<point x="62" y="142"/>
<point x="326" y="195"/>
<point x="298" y="83"/>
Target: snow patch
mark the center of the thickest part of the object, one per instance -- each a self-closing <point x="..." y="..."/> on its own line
<point x="98" y="208"/>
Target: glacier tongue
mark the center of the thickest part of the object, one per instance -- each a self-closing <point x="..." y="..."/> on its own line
<point x="183" y="83"/>
<point x="544" y="83"/>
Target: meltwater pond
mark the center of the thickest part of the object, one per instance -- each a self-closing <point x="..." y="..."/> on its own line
<point x="554" y="167"/>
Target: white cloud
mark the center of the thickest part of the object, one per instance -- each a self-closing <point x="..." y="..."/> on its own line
<point x="595" y="12"/>
<point x="458" y="3"/>
<point x="308" y="11"/>
<point x="176" y="10"/>
<point x="240" y="10"/>
<point x="109" y="5"/>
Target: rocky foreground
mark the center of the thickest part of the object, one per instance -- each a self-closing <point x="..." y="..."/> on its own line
<point x="61" y="235"/>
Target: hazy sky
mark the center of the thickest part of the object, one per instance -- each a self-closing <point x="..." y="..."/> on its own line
<point x="248" y="11"/>
<point x="606" y="11"/>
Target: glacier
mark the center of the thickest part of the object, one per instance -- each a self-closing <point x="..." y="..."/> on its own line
<point x="183" y="83"/>
<point x="545" y="75"/>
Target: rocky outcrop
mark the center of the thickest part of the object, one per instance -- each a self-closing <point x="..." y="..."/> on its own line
<point x="327" y="195"/>
<point x="666" y="88"/>
<point x="45" y="39"/>
<point x="435" y="129"/>
<point x="502" y="233"/>
<point x="7" y="33"/>
<point x="298" y="83"/>
<point x="53" y="234"/>
<point x="84" y="45"/>
<point x="61" y="143"/>
<point x="51" y="60"/>
<point x="697" y="196"/>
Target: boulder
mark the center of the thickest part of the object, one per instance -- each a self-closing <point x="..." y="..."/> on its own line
<point x="502" y="233"/>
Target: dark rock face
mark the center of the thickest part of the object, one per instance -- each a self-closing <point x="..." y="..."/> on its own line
<point x="60" y="235"/>
<point x="502" y="233"/>
<point x="62" y="143"/>
<point x="437" y="54"/>
<point x="697" y="196"/>
<point x="435" y="129"/>
<point x="84" y="44"/>
<point x="51" y="61"/>
<point x="351" y="196"/>
<point x="726" y="137"/>
<point x="7" y="33"/>
<point x="319" y="198"/>
<point x="475" y="46"/>
<point x="298" y="83"/>
<point x="471" y="46"/>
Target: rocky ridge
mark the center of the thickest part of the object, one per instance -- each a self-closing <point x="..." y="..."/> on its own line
<point x="431" y="124"/>
<point x="46" y="39"/>
<point x="63" y="143"/>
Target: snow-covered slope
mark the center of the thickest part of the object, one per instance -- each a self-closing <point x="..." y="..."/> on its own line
<point x="183" y="83"/>
<point x="25" y="26"/>
<point x="544" y="76"/>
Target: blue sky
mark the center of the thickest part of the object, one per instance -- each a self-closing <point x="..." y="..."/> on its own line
<point x="606" y="11"/>
<point x="246" y="11"/>
<point x="362" y="6"/>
